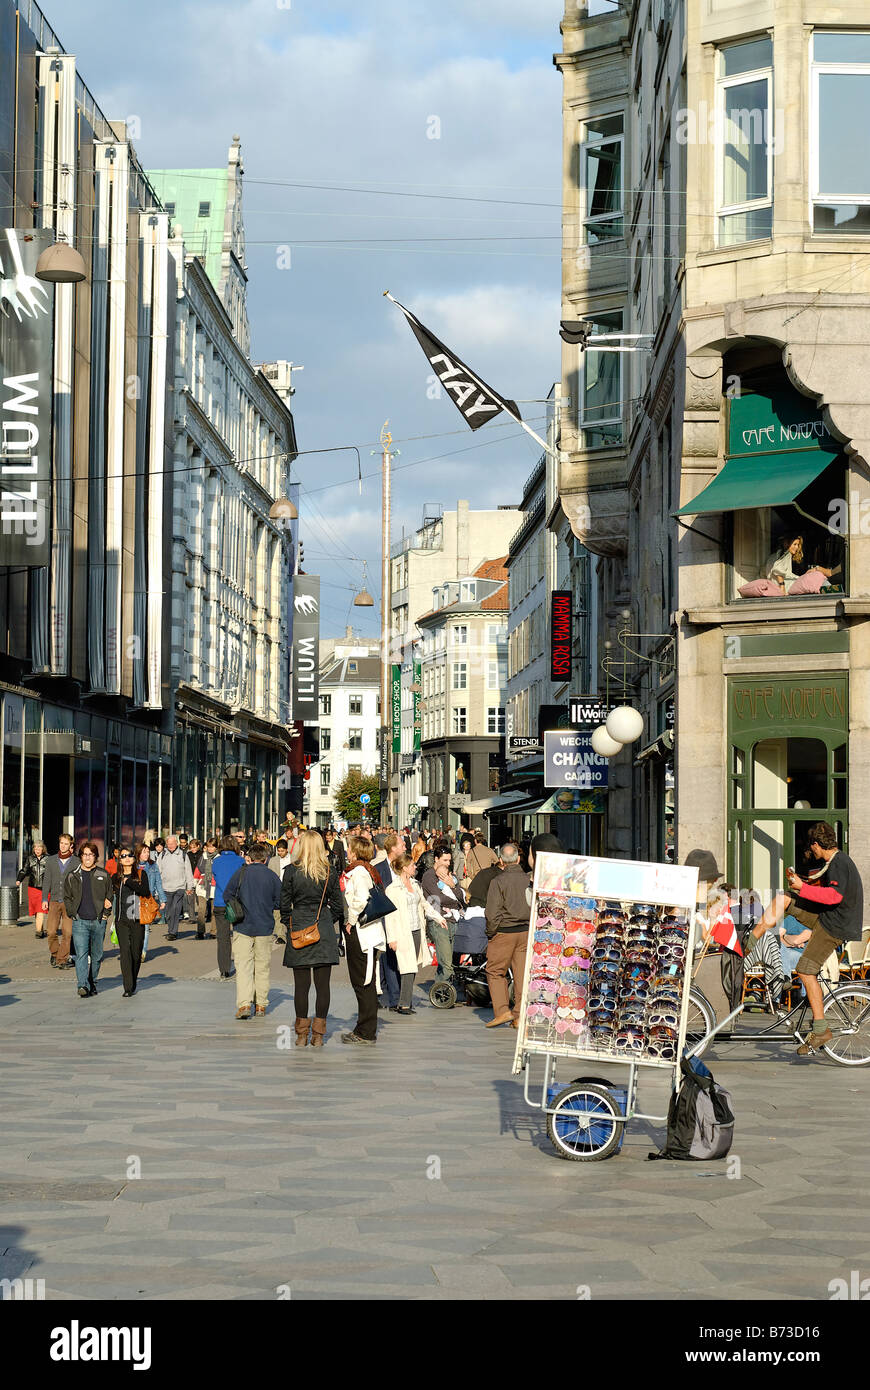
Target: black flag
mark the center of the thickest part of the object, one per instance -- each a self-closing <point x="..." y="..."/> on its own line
<point x="476" y="402"/>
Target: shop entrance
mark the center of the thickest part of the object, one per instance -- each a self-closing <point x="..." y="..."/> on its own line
<point x="55" y="799"/>
<point x="789" y="770"/>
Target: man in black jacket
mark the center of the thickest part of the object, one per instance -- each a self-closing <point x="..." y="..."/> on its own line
<point x="87" y="897"/>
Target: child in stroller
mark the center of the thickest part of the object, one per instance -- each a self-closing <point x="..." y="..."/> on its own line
<point x="469" y="966"/>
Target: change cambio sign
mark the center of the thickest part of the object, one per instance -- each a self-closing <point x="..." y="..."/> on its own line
<point x="571" y="761"/>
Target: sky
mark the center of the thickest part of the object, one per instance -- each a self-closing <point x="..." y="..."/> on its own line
<point x="433" y="133"/>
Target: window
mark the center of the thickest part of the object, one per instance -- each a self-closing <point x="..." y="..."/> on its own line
<point x="326" y="704"/>
<point x="354" y="739"/>
<point x="378" y="706"/>
<point x="601" y="181"/>
<point x="745" y="165"/>
<point x="467" y="591"/>
<point x="493" y="633"/>
<point x="325" y="740"/>
<point x="460" y="635"/>
<point x="840" y="175"/>
<point x="354" y="704"/>
<point x="355" y="767"/>
<point x="460" y="675"/>
<point x="204" y="210"/>
<point x="353" y="668"/>
<point x="601" y="388"/>
<point x="495" y="719"/>
<point x="460" y="719"/>
<point x="324" y="775"/>
<point x="492" y="681"/>
<point x="170" y="208"/>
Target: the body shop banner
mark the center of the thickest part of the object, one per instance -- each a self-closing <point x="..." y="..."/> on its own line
<point x="418" y="718"/>
<point x="396" y="706"/>
<point x="306" y="641"/>
<point x="26" y="355"/>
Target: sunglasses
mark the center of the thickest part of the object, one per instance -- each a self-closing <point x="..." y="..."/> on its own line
<point x="541" y="1011"/>
<point x="570" y="1011"/>
<point x="568" y="1025"/>
<point x="628" y="1042"/>
<point x="663" y="1052"/>
<point x="606" y="953"/>
<point x="663" y="1018"/>
<point x="662" y="1033"/>
<point x="677" y="953"/>
<point x="553" y="937"/>
<point x="603" y="1007"/>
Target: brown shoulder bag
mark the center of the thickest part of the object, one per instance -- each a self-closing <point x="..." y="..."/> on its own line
<point x="308" y="935"/>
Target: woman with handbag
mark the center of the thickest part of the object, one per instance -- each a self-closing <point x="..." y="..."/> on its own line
<point x="149" y="907"/>
<point x="362" y="884"/>
<point x="406" y="929"/>
<point x="311" y="905"/>
<point x="131" y="886"/>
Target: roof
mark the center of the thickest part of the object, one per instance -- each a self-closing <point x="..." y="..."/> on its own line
<point x="368" y="671"/>
<point x="496" y="602"/>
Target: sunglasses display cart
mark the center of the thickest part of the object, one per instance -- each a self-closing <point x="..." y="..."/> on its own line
<point x="607" y="981"/>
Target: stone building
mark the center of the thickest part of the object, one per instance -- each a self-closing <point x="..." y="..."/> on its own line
<point x="350" y="719"/>
<point x="717" y="199"/>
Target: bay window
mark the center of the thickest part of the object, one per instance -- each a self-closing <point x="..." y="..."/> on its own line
<point x="840" y="107"/>
<point x="600" y="394"/>
<point x="601" y="178"/>
<point x="745" y="162"/>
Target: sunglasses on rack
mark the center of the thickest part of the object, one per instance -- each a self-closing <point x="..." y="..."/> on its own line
<point x="542" y="1011"/>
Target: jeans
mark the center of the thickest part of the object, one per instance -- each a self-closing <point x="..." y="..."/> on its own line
<point x="88" y="941"/>
<point x="392" y="978"/>
<point x="442" y="940"/>
<point x="172" y="911"/>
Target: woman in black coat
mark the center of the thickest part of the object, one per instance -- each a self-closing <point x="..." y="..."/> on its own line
<point x="131" y="885"/>
<point x="310" y="893"/>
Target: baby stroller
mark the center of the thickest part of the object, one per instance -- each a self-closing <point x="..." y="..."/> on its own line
<point x="469" y="968"/>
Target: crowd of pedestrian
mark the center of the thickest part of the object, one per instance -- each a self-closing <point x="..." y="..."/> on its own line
<point x="391" y="903"/>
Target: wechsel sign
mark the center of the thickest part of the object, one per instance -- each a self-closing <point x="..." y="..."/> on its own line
<point x="26" y="338"/>
<point x="571" y="761"/>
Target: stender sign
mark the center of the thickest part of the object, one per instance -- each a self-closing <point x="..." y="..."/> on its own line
<point x="561" y="634"/>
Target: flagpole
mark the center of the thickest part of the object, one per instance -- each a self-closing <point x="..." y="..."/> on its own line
<point x="386" y="600"/>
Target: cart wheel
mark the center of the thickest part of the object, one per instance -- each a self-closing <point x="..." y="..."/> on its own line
<point x="584" y="1138"/>
<point x="442" y="995"/>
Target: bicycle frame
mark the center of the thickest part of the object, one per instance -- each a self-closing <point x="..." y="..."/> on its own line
<point x="800" y="1008"/>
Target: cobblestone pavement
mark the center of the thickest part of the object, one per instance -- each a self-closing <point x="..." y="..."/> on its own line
<point x="263" y="1168"/>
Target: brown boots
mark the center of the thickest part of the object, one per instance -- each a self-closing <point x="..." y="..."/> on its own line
<point x="318" y="1032"/>
<point x="302" y="1026"/>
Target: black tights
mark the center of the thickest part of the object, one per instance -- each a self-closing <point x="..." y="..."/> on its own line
<point x="302" y="978"/>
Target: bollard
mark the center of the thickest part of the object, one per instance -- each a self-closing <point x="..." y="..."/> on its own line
<point x="10" y="902"/>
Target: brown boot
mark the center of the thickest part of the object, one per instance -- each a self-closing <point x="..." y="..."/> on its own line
<point x="318" y="1032"/>
<point x="302" y="1026"/>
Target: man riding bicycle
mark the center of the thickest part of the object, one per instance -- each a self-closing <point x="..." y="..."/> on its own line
<point x="832" y="907"/>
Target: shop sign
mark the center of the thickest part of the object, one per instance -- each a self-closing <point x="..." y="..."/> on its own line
<point x="789" y="706"/>
<point x="456" y="801"/>
<point x="418" y="717"/>
<point x="306" y="644"/>
<point x="396" y="706"/>
<point x="571" y="761"/>
<point x="571" y="801"/>
<point x="775" y="424"/>
<point x="26" y="388"/>
<point x="561" y="634"/>
<point x="524" y="743"/>
<point x="588" y="711"/>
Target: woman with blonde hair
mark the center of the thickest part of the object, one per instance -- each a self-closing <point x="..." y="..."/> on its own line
<point x="310" y="894"/>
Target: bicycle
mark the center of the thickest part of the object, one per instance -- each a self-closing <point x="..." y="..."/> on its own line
<point x="846" y="1010"/>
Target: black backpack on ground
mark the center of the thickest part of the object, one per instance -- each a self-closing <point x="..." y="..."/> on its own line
<point x="700" y="1119"/>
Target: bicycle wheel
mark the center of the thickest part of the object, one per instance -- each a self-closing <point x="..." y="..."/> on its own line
<point x="584" y="1137"/>
<point x="847" y="1013"/>
<point x="701" y="1018"/>
<point x="442" y="995"/>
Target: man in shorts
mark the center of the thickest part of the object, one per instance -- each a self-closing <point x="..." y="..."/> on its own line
<point x="832" y="907"/>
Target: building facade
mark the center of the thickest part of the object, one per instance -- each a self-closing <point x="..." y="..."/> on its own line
<point x="350" y="720"/>
<point x="232" y="567"/>
<point x="84" y="638"/>
<point x="446" y="546"/>
<point x="716" y="198"/>
<point x="463" y="669"/>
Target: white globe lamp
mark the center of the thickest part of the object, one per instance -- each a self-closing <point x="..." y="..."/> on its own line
<point x="624" y="724"/>
<point x="603" y="744"/>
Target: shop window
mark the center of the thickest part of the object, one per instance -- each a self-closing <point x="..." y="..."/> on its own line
<point x="840" y="106"/>
<point x="461" y="767"/>
<point x="600" y="395"/>
<point x="762" y="536"/>
<point x="790" y="772"/>
<point x="745" y="163"/>
<point x="601" y="178"/>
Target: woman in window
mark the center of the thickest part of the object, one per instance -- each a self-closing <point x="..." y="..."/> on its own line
<point x="780" y="565"/>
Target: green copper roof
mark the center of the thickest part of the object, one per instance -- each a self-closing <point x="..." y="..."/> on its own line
<point x="186" y="193"/>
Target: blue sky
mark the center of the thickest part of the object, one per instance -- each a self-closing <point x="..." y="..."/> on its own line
<point x="344" y="94"/>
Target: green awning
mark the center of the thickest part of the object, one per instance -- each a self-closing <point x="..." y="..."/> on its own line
<point x="760" y="480"/>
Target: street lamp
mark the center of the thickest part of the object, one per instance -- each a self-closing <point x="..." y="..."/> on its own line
<point x="61" y="264"/>
<point x="283" y="510"/>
